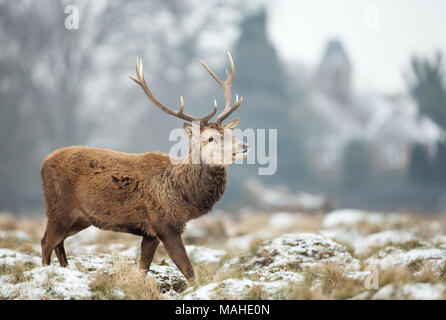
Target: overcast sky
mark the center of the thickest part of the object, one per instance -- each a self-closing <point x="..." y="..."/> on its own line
<point x="379" y="35"/>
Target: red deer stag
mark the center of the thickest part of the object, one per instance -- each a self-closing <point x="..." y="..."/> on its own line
<point x="143" y="194"/>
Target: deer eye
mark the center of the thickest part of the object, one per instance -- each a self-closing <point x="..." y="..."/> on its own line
<point x="211" y="139"/>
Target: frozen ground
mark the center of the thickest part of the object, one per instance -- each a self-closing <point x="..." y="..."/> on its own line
<point x="343" y="254"/>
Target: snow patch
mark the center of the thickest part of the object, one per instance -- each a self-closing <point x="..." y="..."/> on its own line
<point x="17" y="234"/>
<point x="440" y="241"/>
<point x="123" y="250"/>
<point x="412" y="291"/>
<point x="96" y="262"/>
<point x="235" y="289"/>
<point x="12" y="257"/>
<point x="276" y="274"/>
<point x="391" y="257"/>
<point x="353" y="217"/>
<point x="281" y="220"/>
<point x="362" y="243"/>
<point x="205" y="255"/>
<point x="48" y="282"/>
<point x="168" y="278"/>
<point x="386" y="238"/>
<point x="243" y="243"/>
<point x="303" y="249"/>
<point x="84" y="237"/>
<point x="83" y="249"/>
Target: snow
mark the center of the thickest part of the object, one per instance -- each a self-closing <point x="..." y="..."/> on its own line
<point x="235" y="289"/>
<point x="358" y="275"/>
<point x="12" y="257"/>
<point x="273" y="259"/>
<point x="55" y="282"/>
<point x="305" y="249"/>
<point x="412" y="291"/>
<point x="206" y="292"/>
<point x="281" y="199"/>
<point x="386" y="238"/>
<point x="95" y="262"/>
<point x="17" y="234"/>
<point x="352" y="217"/>
<point x="310" y="201"/>
<point x="391" y="256"/>
<point x="194" y="231"/>
<point x="352" y="237"/>
<point x="244" y="242"/>
<point x="276" y="274"/>
<point x="282" y="220"/>
<point x="83" y="249"/>
<point x="84" y="237"/>
<point x="199" y="254"/>
<point x="267" y="264"/>
<point x="48" y="282"/>
<point x="284" y="259"/>
<point x="115" y="248"/>
<point x="440" y="241"/>
<point x="363" y="244"/>
<point x="168" y="278"/>
<point x="123" y="250"/>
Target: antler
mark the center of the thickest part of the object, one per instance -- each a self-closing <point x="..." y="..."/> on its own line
<point x="226" y="86"/>
<point x="179" y="113"/>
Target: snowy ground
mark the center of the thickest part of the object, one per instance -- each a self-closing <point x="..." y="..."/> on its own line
<point x="343" y="254"/>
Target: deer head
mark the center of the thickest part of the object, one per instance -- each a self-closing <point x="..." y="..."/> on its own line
<point x="213" y="141"/>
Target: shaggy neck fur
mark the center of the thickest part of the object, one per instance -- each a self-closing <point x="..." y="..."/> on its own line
<point x="200" y="185"/>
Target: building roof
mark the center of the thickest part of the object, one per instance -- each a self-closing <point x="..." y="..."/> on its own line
<point x="378" y="119"/>
<point x="372" y="117"/>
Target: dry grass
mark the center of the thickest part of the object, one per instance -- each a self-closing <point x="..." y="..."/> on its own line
<point x="405" y="246"/>
<point x="400" y="275"/>
<point x="19" y="245"/>
<point x="330" y="281"/>
<point x="251" y="223"/>
<point x="214" y="231"/>
<point x="33" y="226"/>
<point x="17" y="271"/>
<point x="327" y="282"/>
<point x="127" y="279"/>
<point x="110" y="237"/>
<point x="205" y="274"/>
<point x="304" y="292"/>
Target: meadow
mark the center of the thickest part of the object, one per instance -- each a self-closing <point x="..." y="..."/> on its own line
<point x="342" y="254"/>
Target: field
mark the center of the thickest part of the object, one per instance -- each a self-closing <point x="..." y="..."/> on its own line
<point x="343" y="254"/>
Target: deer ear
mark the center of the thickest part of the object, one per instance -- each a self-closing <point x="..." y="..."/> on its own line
<point x="231" y="124"/>
<point x="187" y="127"/>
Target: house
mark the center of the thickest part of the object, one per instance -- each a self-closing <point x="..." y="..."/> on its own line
<point x="389" y="125"/>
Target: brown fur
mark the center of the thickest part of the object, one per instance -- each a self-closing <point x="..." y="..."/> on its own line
<point x="143" y="194"/>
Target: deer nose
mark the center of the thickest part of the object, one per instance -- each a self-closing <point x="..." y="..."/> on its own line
<point x="245" y="147"/>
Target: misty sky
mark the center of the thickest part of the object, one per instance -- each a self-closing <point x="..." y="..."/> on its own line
<point x="380" y="49"/>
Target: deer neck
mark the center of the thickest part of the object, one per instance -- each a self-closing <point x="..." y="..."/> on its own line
<point x="201" y="185"/>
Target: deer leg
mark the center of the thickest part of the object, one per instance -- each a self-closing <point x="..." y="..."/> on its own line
<point x="49" y="242"/>
<point x="148" y="249"/>
<point x="46" y="250"/>
<point x="61" y="255"/>
<point x="54" y="237"/>
<point x="175" y="248"/>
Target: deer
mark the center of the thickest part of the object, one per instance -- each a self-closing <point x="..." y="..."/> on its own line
<point x="147" y="194"/>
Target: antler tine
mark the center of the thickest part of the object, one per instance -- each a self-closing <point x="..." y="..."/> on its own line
<point x="180" y="114"/>
<point x="226" y="86"/>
